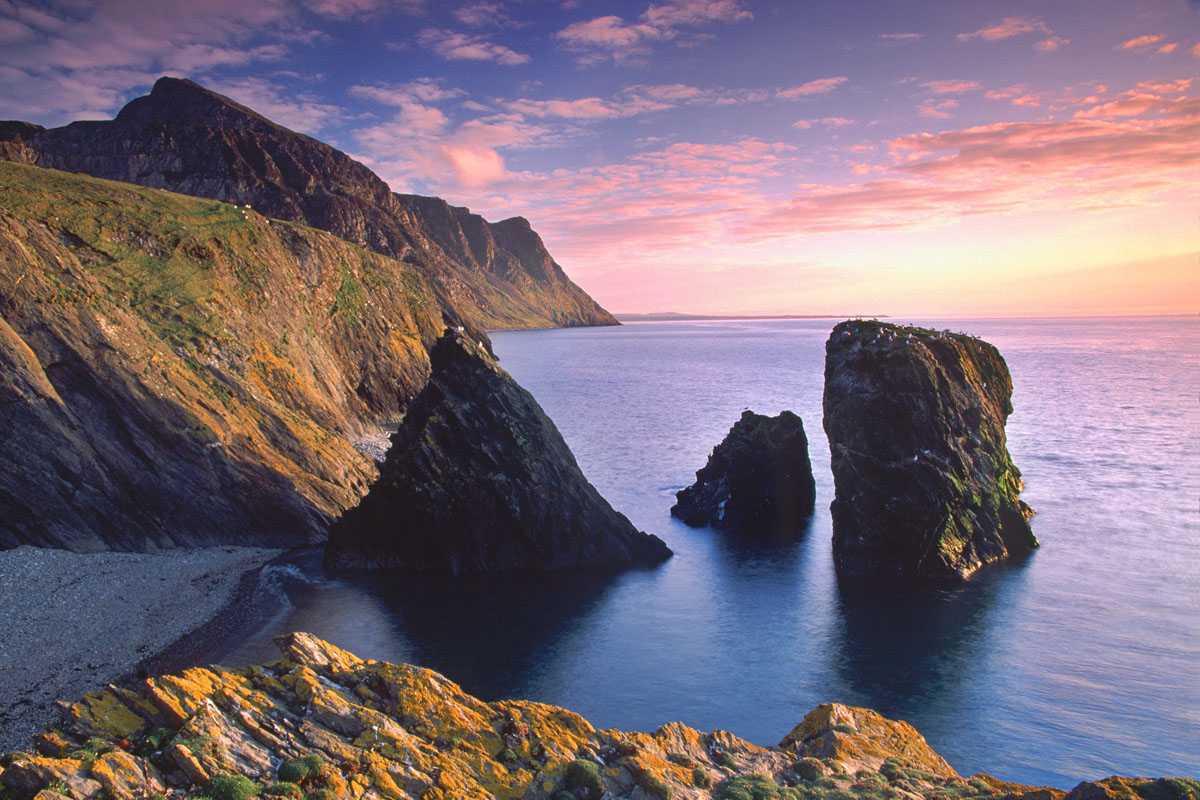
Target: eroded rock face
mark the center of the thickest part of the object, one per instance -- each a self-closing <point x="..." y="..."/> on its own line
<point x="323" y="720"/>
<point x="924" y="483"/>
<point x="758" y="481"/>
<point x="185" y="138"/>
<point x="479" y="480"/>
<point x="183" y="372"/>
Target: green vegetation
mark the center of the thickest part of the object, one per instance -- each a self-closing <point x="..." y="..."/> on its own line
<point x="702" y="778"/>
<point x="583" y="778"/>
<point x="297" y="770"/>
<point x="682" y="759"/>
<point x="725" y="759"/>
<point x="283" y="789"/>
<point x="232" y="787"/>
<point x="754" y="787"/>
<point x="349" y="298"/>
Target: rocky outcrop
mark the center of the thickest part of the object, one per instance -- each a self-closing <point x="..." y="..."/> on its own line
<point x="758" y="481"/>
<point x="479" y="480"/>
<point x="176" y="371"/>
<point x="322" y="723"/>
<point x="924" y="483"/>
<point x="186" y="139"/>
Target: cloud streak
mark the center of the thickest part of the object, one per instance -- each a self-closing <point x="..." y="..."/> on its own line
<point x="610" y="37"/>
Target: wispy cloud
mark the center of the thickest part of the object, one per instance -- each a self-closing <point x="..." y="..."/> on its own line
<point x="899" y="37"/>
<point x="835" y="122"/>
<point x="1005" y="29"/>
<point x="1140" y="42"/>
<point x="937" y="109"/>
<point x="818" y="86"/>
<point x="610" y="37"/>
<point x="483" y="13"/>
<point x="456" y="46"/>
<point x="950" y="87"/>
<point x="1051" y="44"/>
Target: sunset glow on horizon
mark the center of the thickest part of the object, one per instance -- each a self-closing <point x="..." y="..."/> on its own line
<point x="720" y="156"/>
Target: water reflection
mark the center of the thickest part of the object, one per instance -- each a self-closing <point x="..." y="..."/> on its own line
<point x="490" y="632"/>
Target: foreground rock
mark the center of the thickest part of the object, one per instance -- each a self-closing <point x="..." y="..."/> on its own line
<point x="758" y="480"/>
<point x="924" y="483"/>
<point x="322" y="723"/>
<point x="479" y="480"/>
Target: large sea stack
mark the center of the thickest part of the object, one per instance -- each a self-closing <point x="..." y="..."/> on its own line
<point x="478" y="480"/>
<point x="758" y="481"/>
<point x="924" y="485"/>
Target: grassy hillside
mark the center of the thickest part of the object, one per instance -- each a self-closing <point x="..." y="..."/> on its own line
<point x="178" y="370"/>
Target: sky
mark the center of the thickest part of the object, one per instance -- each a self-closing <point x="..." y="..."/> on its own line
<point x="908" y="158"/>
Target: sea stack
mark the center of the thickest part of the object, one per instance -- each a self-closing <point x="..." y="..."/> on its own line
<point x="478" y="480"/>
<point x="758" y="481"/>
<point x="924" y="485"/>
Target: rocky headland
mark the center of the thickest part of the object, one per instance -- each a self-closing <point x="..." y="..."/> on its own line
<point x="187" y="139"/>
<point x="924" y="484"/>
<point x="757" y="482"/>
<point x="185" y="372"/>
<point x="322" y="723"/>
<point x="479" y="480"/>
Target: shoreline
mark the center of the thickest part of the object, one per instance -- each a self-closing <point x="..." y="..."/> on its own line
<point x="76" y="622"/>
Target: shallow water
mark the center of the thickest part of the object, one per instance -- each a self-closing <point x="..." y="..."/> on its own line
<point x="1080" y="662"/>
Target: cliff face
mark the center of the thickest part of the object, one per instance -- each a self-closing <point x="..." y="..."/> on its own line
<point x="924" y="483"/>
<point x="479" y="480"/>
<point x="182" y="371"/>
<point x="322" y="723"/>
<point x="757" y="482"/>
<point x="184" y="138"/>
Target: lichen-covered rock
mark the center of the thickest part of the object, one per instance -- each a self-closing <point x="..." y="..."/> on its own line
<point x="479" y="480"/>
<point x="758" y="480"/>
<point x="924" y="484"/>
<point x="334" y="725"/>
<point x="1119" y="788"/>
<point x="858" y="739"/>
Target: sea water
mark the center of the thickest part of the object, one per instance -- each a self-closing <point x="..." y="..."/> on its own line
<point x="1080" y="661"/>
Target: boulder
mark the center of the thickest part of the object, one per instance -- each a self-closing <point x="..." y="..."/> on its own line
<point x="478" y="480"/>
<point x="758" y="480"/>
<point x="924" y="484"/>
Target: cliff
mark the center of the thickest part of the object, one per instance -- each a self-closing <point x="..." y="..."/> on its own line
<point x="186" y="139"/>
<point x="758" y="481"/>
<point x="323" y="723"/>
<point x="183" y="371"/>
<point x="924" y="484"/>
<point x="479" y="480"/>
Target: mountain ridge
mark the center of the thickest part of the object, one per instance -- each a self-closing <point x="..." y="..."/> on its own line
<point x="188" y="139"/>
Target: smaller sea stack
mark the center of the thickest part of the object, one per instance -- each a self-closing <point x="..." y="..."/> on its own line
<point x="757" y="482"/>
<point x="478" y="480"/>
<point x="924" y="485"/>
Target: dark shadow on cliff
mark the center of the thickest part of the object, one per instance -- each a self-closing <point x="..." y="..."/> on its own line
<point x="488" y="633"/>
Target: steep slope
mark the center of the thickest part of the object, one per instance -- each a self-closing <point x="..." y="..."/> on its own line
<point x="183" y="371"/>
<point x="924" y="484"/>
<point x="186" y="139"/>
<point x="323" y="723"/>
<point x="479" y="480"/>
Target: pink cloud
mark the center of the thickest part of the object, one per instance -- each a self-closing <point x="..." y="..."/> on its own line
<point x="818" y="86"/>
<point x="1169" y="48"/>
<point x="835" y="122"/>
<point x="899" y="37"/>
<point x="482" y="13"/>
<point x="1051" y="44"/>
<point x="937" y="110"/>
<point x="454" y="46"/>
<point x="950" y="87"/>
<point x="421" y="90"/>
<point x="1140" y="42"/>
<point x="611" y="37"/>
<point x="1005" y="29"/>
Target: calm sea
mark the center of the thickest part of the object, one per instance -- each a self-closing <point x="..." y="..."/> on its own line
<point x="1080" y="662"/>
